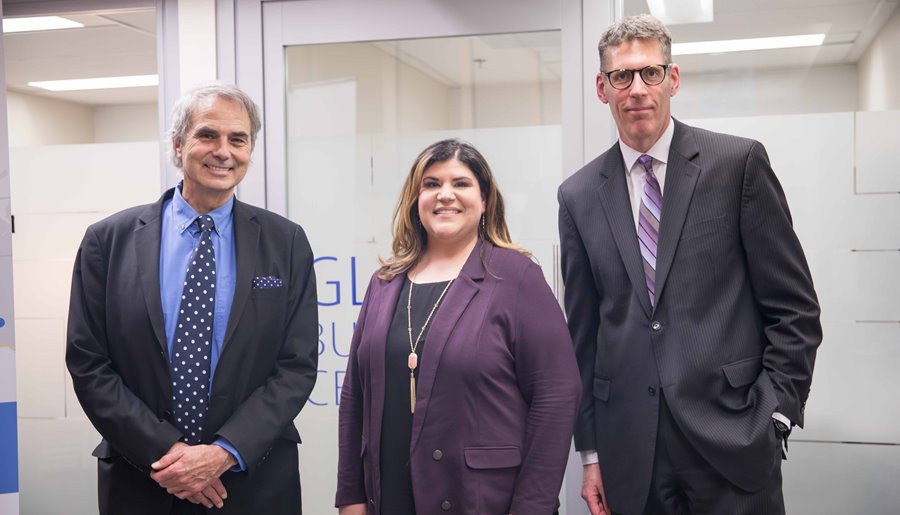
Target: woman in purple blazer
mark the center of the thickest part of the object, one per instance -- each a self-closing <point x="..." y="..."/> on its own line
<point x="461" y="388"/>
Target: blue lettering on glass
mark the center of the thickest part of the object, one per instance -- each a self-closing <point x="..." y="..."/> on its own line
<point x="334" y="341"/>
<point x="321" y="341"/>
<point x="311" y="401"/>
<point x="337" y="284"/>
<point x="338" y="384"/>
<point x="334" y="299"/>
<point x="356" y="301"/>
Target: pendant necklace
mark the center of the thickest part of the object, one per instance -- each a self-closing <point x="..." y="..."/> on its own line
<point x="413" y="359"/>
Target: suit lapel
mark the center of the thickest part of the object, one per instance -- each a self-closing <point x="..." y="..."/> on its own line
<point x="681" y="177"/>
<point x="246" y="248"/>
<point x="448" y="314"/>
<point x="616" y="204"/>
<point x="147" y="237"/>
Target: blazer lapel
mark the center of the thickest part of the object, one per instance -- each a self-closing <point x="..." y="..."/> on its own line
<point x="616" y="204"/>
<point x="452" y="308"/>
<point x="246" y="245"/>
<point x="681" y="177"/>
<point x="147" y="237"/>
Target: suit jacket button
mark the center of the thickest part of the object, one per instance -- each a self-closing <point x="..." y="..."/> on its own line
<point x="446" y="505"/>
<point x="437" y="455"/>
<point x="651" y="390"/>
<point x="656" y="326"/>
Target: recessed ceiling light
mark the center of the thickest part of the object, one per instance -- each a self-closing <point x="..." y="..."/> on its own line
<point x="132" y="81"/>
<point x="673" y="12"/>
<point x="743" y="45"/>
<point x="39" y="23"/>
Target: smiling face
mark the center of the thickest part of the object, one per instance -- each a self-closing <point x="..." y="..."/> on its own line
<point x="641" y="112"/>
<point x="450" y="203"/>
<point x="215" y="153"/>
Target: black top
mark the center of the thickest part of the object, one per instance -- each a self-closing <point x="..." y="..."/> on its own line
<point x="396" y="425"/>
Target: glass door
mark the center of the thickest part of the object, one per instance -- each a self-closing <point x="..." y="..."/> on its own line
<point x="355" y="90"/>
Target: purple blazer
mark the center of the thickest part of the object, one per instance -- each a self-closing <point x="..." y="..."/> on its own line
<point x="496" y="401"/>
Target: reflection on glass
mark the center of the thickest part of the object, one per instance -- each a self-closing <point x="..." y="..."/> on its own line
<point x="359" y="113"/>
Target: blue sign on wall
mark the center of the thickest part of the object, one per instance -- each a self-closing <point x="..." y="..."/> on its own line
<point x="9" y="476"/>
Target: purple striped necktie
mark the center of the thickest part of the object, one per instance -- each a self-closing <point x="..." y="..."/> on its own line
<point x="648" y="224"/>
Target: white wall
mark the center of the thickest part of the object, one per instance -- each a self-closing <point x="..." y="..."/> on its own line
<point x="879" y="69"/>
<point x="56" y="192"/>
<point x="767" y="92"/>
<point x="517" y="105"/>
<point x="393" y="96"/>
<point x="137" y="122"/>
<point x="36" y="120"/>
<point x="60" y="182"/>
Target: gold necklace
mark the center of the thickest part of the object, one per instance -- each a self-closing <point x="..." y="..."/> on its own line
<point x="413" y="360"/>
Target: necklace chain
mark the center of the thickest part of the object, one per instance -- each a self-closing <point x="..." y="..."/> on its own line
<point x="413" y="359"/>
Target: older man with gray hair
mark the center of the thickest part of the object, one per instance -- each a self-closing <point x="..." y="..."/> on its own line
<point x="193" y="332"/>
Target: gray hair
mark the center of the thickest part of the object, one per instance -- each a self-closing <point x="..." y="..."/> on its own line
<point x="641" y="26"/>
<point x="184" y="108"/>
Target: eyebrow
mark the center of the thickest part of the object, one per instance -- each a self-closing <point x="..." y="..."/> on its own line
<point x="456" y="178"/>
<point x="205" y="128"/>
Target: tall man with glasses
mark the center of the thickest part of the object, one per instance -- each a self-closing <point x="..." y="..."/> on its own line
<point x="689" y="300"/>
<point x="193" y="332"/>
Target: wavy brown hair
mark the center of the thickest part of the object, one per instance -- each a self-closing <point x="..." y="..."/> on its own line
<point x="410" y="238"/>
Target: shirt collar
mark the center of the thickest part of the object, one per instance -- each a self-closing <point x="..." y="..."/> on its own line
<point x="185" y="214"/>
<point x="659" y="151"/>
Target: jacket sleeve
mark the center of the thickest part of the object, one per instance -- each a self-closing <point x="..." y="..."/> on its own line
<point x="582" y="303"/>
<point x="124" y="420"/>
<point x="782" y="285"/>
<point x="351" y="488"/>
<point x="548" y="379"/>
<point x="261" y="419"/>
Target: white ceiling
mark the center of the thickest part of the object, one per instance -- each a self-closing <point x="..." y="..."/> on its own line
<point x="109" y="45"/>
<point x="124" y="43"/>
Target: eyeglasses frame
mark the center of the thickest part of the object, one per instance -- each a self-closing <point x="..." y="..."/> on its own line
<point x="635" y="72"/>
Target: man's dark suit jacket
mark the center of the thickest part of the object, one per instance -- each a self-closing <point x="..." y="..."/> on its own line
<point x="733" y="335"/>
<point x="496" y="399"/>
<point x="118" y="358"/>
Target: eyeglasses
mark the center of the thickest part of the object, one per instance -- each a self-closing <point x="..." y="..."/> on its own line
<point x="651" y="75"/>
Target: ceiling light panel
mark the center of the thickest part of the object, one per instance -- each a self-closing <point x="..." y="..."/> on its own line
<point x="673" y="12"/>
<point x="744" y="45"/>
<point x="132" y="81"/>
<point x="38" y="23"/>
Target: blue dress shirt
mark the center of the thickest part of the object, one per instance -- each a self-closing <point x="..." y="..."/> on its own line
<point x="179" y="238"/>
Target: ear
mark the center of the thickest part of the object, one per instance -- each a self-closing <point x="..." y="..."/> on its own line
<point x="675" y="79"/>
<point x="176" y="147"/>
<point x="601" y="94"/>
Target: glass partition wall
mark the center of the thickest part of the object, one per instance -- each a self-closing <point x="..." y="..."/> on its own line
<point x="359" y="113"/>
<point x="357" y="116"/>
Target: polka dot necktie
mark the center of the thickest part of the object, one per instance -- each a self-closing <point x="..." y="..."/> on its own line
<point x="193" y="337"/>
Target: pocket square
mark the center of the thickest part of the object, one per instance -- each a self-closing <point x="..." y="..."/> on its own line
<point x="264" y="282"/>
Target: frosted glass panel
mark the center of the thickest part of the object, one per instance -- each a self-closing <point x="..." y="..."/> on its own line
<point x="358" y="115"/>
<point x="828" y="478"/>
<point x="851" y="241"/>
<point x="5" y="228"/>
<point x="878" y="151"/>
<point x="84" y="178"/>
